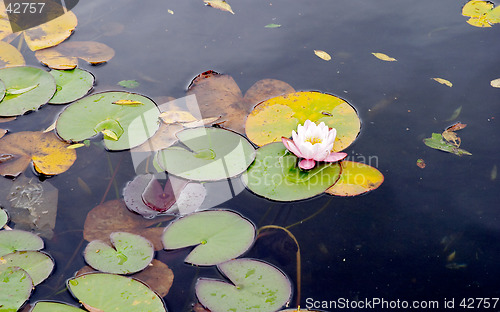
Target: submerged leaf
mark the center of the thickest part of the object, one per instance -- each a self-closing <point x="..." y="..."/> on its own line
<point x="384" y="57"/>
<point x="437" y="142"/>
<point x="455" y="114"/>
<point x="130" y="84"/>
<point x="219" y="4"/>
<point x="443" y="81"/>
<point x="322" y="55"/>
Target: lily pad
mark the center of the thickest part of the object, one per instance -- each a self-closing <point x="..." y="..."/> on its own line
<point x="218" y="236"/>
<point x="123" y="126"/>
<point x="131" y="253"/>
<point x="255" y="286"/>
<point x="37" y="264"/>
<point x="71" y="85"/>
<point x="481" y="13"/>
<point x="16" y="240"/>
<point x="110" y="292"/>
<point x="277" y="117"/>
<point x="275" y="175"/>
<point x="2" y="90"/>
<point x="4" y="218"/>
<point x="113" y="216"/>
<point x="15" y="288"/>
<point x="40" y="86"/>
<point x="356" y="178"/>
<point x="50" y="155"/>
<point x="9" y="56"/>
<point x="212" y="154"/>
<point x="47" y="306"/>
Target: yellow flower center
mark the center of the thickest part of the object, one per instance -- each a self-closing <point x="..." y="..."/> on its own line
<point x="314" y="140"/>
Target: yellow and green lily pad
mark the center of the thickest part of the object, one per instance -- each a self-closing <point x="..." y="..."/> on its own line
<point x="123" y="126"/>
<point x="356" y="178"/>
<point x="277" y="117"/>
<point x="16" y="240"/>
<point x="481" y="13"/>
<point x="15" y="288"/>
<point x="275" y="175"/>
<point x="255" y="286"/>
<point x="111" y="292"/>
<point x="212" y="154"/>
<point x="27" y="88"/>
<point x="71" y="85"/>
<point x="218" y="236"/>
<point x="131" y="253"/>
<point x="37" y="264"/>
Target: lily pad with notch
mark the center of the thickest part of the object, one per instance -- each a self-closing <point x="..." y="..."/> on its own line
<point x="15" y="288"/>
<point x="123" y="126"/>
<point x="356" y="178"/>
<point x="275" y="175"/>
<point x="131" y="253"/>
<point x="27" y="88"/>
<point x="255" y="286"/>
<point x="218" y="236"/>
<point x="16" y="240"/>
<point x="71" y="85"/>
<point x="111" y="292"/>
<point x="36" y="263"/>
<point x="210" y="154"/>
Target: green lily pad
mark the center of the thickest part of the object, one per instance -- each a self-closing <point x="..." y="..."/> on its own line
<point x="277" y="117"/>
<point x="437" y="142"/>
<point x="46" y="306"/>
<point x="255" y="286"/>
<point x="110" y="292"/>
<point x="15" y="288"/>
<point x="71" y="85"/>
<point x="356" y="178"/>
<point x="2" y="90"/>
<point x="16" y="240"/>
<point x="131" y="253"/>
<point x="124" y="126"/>
<point x="4" y="218"/>
<point x="218" y="236"/>
<point x="27" y="88"/>
<point x="212" y="154"/>
<point x="129" y="84"/>
<point x="36" y="263"/>
<point x="275" y="175"/>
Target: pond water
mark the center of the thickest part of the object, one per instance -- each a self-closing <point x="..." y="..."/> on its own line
<point x="394" y="243"/>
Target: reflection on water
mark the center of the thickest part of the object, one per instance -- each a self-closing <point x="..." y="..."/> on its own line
<point x="394" y="243"/>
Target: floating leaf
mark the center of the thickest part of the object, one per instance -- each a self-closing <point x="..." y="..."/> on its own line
<point x="214" y="154"/>
<point x="277" y="117"/>
<point x="37" y="264"/>
<point x="384" y="57"/>
<point x="275" y="175"/>
<point x="130" y="84"/>
<point x="48" y="306"/>
<point x="322" y="55"/>
<point x="50" y="155"/>
<point x="10" y="56"/>
<point x="71" y="85"/>
<point x="16" y="240"/>
<point x="131" y="253"/>
<point x="356" y="178"/>
<point x="450" y="136"/>
<point x="219" y="4"/>
<point x="218" y="236"/>
<point x="109" y="292"/>
<point x="128" y="102"/>
<point x="127" y="126"/>
<point x="156" y="275"/>
<point x="437" y="142"/>
<point x="113" y="216"/>
<point x="74" y="146"/>
<point x="456" y="126"/>
<point x="51" y="33"/>
<point x="481" y="13"/>
<point x="255" y="286"/>
<point x="15" y="288"/>
<point x="34" y="86"/>
<point x="4" y="218"/>
<point x="495" y="83"/>
<point x="443" y="81"/>
<point x="272" y="25"/>
<point x="66" y="55"/>
<point x="421" y="163"/>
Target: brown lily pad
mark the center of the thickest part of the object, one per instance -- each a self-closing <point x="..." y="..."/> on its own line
<point x="113" y="216"/>
<point x="157" y="275"/>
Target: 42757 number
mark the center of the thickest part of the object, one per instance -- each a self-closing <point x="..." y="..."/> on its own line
<point x="25" y="7"/>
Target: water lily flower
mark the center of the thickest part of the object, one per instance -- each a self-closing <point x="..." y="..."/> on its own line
<point x="313" y="143"/>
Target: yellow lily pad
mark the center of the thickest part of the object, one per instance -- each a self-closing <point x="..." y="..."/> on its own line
<point x="10" y="56"/>
<point x="49" y="155"/>
<point x="481" y="13"/>
<point x="278" y="116"/>
<point x="51" y="33"/>
<point x="356" y="178"/>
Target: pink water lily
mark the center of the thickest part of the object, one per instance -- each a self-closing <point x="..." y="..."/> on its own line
<point x="313" y="143"/>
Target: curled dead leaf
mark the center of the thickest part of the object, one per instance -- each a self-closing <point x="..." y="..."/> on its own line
<point x="443" y="81"/>
<point x="218" y="4"/>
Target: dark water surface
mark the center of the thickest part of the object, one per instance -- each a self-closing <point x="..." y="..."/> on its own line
<point x="392" y="243"/>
